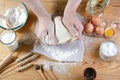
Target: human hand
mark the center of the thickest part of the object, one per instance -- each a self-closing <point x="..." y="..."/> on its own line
<point x="73" y="23"/>
<point x="46" y="28"/>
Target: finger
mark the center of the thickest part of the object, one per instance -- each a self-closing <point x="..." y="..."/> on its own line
<point x="79" y="33"/>
<point x="37" y="29"/>
<point x="80" y="18"/>
<point x="79" y="28"/>
<point x="52" y="38"/>
<point x="43" y="37"/>
<point x="72" y="30"/>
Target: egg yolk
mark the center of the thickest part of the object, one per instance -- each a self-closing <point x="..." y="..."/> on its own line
<point x="110" y="32"/>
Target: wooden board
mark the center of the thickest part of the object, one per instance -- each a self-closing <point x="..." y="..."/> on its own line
<point x="70" y="71"/>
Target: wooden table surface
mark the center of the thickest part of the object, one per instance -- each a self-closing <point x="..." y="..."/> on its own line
<point x="70" y="71"/>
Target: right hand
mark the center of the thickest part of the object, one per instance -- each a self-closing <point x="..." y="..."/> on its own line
<point x="73" y="23"/>
<point x="46" y="28"/>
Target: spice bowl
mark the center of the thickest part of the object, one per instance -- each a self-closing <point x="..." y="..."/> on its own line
<point x="108" y="50"/>
<point x="110" y="32"/>
<point x="13" y="11"/>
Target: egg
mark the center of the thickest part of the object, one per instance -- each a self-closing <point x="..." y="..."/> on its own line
<point x="89" y="28"/>
<point x="87" y="19"/>
<point x="99" y="30"/>
<point x="96" y="20"/>
<point x="110" y="32"/>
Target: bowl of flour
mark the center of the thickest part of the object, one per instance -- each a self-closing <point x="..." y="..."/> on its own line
<point x="15" y="12"/>
<point x="109" y="50"/>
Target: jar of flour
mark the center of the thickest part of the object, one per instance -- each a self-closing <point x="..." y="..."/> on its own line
<point x="109" y="50"/>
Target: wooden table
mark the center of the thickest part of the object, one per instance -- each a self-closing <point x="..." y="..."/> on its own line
<point x="70" y="71"/>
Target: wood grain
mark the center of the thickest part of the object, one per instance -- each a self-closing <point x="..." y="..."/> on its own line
<point x="105" y="70"/>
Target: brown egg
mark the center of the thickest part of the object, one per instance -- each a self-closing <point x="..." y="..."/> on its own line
<point x="96" y="20"/>
<point x="87" y="19"/>
<point x="99" y="30"/>
<point x="89" y="28"/>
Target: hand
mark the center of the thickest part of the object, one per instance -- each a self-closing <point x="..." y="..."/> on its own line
<point x="46" y="27"/>
<point x="73" y="23"/>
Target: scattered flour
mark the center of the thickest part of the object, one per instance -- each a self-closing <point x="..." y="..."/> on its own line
<point x="16" y="16"/>
<point x="59" y="67"/>
<point x="73" y="51"/>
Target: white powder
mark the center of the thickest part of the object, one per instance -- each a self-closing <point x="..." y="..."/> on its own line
<point x="8" y="38"/>
<point x="16" y="16"/>
<point x="10" y="41"/>
<point x="59" y="67"/>
<point x="109" y="49"/>
<point x="73" y="51"/>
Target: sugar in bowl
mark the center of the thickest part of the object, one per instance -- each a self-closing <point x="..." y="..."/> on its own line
<point x="108" y="50"/>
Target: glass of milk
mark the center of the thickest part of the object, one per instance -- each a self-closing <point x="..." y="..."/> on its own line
<point x="9" y="39"/>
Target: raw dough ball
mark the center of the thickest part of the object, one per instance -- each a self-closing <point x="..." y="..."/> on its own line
<point x="62" y="33"/>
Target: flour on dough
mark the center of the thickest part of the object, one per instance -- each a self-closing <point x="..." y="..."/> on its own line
<point x="62" y="33"/>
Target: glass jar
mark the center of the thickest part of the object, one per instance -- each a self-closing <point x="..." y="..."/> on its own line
<point x="96" y="7"/>
<point x="109" y="50"/>
<point x="9" y="39"/>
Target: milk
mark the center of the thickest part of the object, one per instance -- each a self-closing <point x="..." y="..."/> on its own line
<point x="8" y="38"/>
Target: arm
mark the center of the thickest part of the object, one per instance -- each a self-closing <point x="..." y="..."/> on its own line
<point x="37" y="7"/>
<point x="72" y="5"/>
<point x="71" y="20"/>
<point x="46" y="26"/>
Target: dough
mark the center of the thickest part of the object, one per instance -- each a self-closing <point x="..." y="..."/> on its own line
<point x="61" y="32"/>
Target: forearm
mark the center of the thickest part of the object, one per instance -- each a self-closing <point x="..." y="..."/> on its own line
<point x="72" y="5"/>
<point x="37" y="7"/>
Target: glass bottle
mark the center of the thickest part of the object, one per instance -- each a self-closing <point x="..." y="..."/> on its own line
<point x="96" y="7"/>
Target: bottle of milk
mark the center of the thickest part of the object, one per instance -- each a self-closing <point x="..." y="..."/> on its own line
<point x="9" y="39"/>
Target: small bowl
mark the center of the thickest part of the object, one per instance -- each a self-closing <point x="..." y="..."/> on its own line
<point x="12" y="4"/>
<point x="108" y="57"/>
<point x="108" y="28"/>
